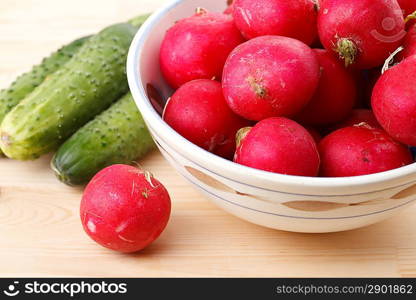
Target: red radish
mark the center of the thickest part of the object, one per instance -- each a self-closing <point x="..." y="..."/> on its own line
<point x="198" y="111"/>
<point x="335" y="96"/>
<point x="270" y="76"/>
<point x="362" y="33"/>
<point x="394" y="101"/>
<point x="361" y="150"/>
<point x="124" y="209"/>
<point x="278" y="145"/>
<point x="197" y="47"/>
<point x="359" y="116"/>
<point x="409" y="44"/>
<point x="295" y="18"/>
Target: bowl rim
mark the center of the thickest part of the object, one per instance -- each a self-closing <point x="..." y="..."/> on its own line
<point x="233" y="169"/>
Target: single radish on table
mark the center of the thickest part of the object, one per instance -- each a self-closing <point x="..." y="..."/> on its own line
<point x="124" y="209"/>
<point x="197" y="47"/>
<point x="270" y="76"/>
<point x="278" y="145"/>
<point x="335" y="96"/>
<point x="361" y="33"/>
<point x="198" y="111"/>
<point x="294" y="18"/>
<point x="361" y="150"/>
<point x="394" y="101"/>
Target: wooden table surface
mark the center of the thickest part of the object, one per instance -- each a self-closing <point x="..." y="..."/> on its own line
<point x="41" y="234"/>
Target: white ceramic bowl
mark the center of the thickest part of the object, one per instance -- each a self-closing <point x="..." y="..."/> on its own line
<point x="291" y="203"/>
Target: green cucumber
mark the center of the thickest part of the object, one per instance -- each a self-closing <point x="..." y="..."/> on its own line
<point x="85" y="86"/>
<point x="116" y="136"/>
<point x="138" y="21"/>
<point x="27" y="82"/>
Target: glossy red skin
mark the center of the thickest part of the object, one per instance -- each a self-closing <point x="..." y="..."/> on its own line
<point x="284" y="69"/>
<point x="279" y="145"/>
<point x="295" y="18"/>
<point x="359" y="116"/>
<point x="197" y="47"/>
<point x="121" y="210"/>
<point x="198" y="112"/>
<point x="335" y="96"/>
<point x="409" y="44"/>
<point x="393" y="101"/>
<point x="367" y="23"/>
<point x="354" y="151"/>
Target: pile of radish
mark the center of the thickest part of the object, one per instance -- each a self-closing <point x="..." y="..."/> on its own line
<point x="301" y="87"/>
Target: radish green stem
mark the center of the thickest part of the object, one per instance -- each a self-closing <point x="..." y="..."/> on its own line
<point x="347" y="50"/>
<point x="412" y="16"/>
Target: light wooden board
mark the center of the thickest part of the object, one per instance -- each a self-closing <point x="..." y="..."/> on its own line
<point x="40" y="231"/>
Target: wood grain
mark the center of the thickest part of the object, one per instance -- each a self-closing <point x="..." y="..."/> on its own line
<point x="40" y="231"/>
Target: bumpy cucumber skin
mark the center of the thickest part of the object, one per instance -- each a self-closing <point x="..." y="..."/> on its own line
<point x="86" y="85"/>
<point x="138" y="21"/>
<point x="27" y="82"/>
<point x="116" y="136"/>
